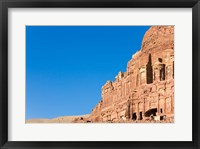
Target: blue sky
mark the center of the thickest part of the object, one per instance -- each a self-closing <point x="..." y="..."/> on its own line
<point x="66" y="66"/>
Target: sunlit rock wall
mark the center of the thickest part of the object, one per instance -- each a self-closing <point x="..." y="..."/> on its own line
<point x="147" y="87"/>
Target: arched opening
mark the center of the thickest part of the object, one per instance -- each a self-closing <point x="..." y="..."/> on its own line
<point x="149" y="71"/>
<point x="151" y="112"/>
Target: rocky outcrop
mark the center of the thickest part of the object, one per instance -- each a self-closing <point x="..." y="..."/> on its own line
<point x="145" y="92"/>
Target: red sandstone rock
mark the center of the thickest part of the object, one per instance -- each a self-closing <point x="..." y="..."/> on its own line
<point x="146" y="89"/>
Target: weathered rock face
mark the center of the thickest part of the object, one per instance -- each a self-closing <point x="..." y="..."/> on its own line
<point x="145" y="92"/>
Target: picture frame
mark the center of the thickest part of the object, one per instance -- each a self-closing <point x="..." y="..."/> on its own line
<point x="5" y="5"/>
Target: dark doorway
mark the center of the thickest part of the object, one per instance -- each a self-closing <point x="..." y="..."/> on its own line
<point x="161" y="110"/>
<point x="151" y="112"/>
<point x="134" y="116"/>
<point x="140" y="115"/>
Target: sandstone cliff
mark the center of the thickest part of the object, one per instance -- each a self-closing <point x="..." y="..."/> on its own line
<point x="145" y="92"/>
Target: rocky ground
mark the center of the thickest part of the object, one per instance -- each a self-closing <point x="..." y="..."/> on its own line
<point x="62" y="119"/>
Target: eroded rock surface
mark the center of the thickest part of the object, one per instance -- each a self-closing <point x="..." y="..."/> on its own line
<point x="145" y="92"/>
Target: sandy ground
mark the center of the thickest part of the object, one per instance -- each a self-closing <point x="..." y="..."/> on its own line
<point x="61" y="119"/>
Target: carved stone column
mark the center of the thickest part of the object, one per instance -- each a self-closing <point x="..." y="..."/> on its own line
<point x="158" y="106"/>
<point x="138" y="113"/>
<point x="165" y="107"/>
<point x="172" y="103"/>
<point x="159" y="70"/>
<point x="131" y="110"/>
<point x="142" y="75"/>
<point x="144" y="107"/>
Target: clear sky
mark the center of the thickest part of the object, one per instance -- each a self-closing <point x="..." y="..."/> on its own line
<point x="66" y="66"/>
